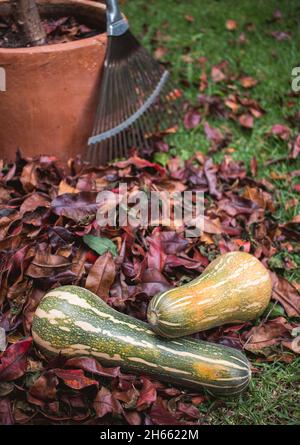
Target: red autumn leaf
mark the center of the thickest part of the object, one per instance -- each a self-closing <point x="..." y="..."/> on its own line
<point x="183" y="261"/>
<point x="44" y="388"/>
<point x="246" y="120"/>
<point x="237" y="205"/>
<point x="75" y="378"/>
<point x="156" y="256"/>
<point x="172" y="243"/>
<point x="30" y="307"/>
<point x="217" y="74"/>
<point x="13" y="362"/>
<point x="188" y="410"/>
<point x="91" y="257"/>
<point x="6" y="416"/>
<point x="133" y="417"/>
<point x="296" y="148"/>
<point x="210" y="172"/>
<point x="129" y="397"/>
<point x="212" y="226"/>
<point x="297" y="188"/>
<point x="280" y="130"/>
<point x="213" y="134"/>
<point x="147" y="396"/>
<point x="141" y="164"/>
<point x="89" y="364"/>
<point x="75" y="206"/>
<point x="192" y="119"/>
<point x="106" y="403"/>
<point x="18" y="265"/>
<point x="59" y="237"/>
<point x="160" y="415"/>
<point x="154" y="282"/>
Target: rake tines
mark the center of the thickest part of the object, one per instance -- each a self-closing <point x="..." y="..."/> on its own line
<point x="137" y="97"/>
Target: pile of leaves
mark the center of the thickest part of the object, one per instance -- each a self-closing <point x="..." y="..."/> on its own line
<point x="49" y="237"/>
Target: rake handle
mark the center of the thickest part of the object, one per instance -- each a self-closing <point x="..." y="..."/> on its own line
<point x="116" y="21"/>
<point x="113" y="11"/>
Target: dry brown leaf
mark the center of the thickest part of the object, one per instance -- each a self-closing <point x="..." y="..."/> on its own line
<point x="248" y="82"/>
<point x="101" y="276"/>
<point x="287" y="294"/>
<point x="268" y="335"/>
<point x="64" y="187"/>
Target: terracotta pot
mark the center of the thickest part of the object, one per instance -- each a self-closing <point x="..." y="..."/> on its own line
<point x="52" y="91"/>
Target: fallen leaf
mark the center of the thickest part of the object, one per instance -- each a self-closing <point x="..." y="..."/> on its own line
<point x="281" y="35"/>
<point x="192" y="119"/>
<point x="147" y="395"/>
<point x="89" y="364"/>
<point x="217" y="74"/>
<point x="75" y="206"/>
<point x="287" y="295"/>
<point x="28" y="177"/>
<point x="210" y="172"/>
<point x="267" y="335"/>
<point x="105" y="403"/>
<point x="64" y="188"/>
<point x="101" y="276"/>
<point x="44" y="388"/>
<point x="161" y="416"/>
<point x="248" y="82"/>
<point x="246" y="120"/>
<point x="100" y="245"/>
<point x="6" y="416"/>
<point x="160" y="52"/>
<point x="296" y="148"/>
<point x="75" y="378"/>
<point x="231" y="25"/>
<point x="189" y="18"/>
<point x="13" y="362"/>
<point x="33" y="202"/>
<point x="280" y="130"/>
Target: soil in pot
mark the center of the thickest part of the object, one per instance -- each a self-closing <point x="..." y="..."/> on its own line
<point x="58" y="30"/>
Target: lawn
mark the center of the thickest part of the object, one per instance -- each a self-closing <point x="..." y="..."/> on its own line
<point x="181" y="33"/>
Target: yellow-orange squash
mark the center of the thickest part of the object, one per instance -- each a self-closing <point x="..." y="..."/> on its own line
<point x="235" y="287"/>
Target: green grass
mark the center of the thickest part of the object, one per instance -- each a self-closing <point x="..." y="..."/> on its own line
<point x="262" y="57"/>
<point x="274" y="396"/>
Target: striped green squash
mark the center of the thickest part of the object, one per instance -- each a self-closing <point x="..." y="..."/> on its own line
<point x="236" y="287"/>
<point x="74" y="322"/>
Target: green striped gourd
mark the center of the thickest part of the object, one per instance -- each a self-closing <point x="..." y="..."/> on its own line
<point x="234" y="288"/>
<point x="74" y="322"/>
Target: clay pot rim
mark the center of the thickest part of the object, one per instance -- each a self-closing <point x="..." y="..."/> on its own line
<point x="68" y="46"/>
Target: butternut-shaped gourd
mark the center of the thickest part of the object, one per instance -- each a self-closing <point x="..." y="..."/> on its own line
<point x="234" y="288"/>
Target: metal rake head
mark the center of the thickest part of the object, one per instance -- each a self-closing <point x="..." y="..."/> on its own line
<point x="137" y="99"/>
